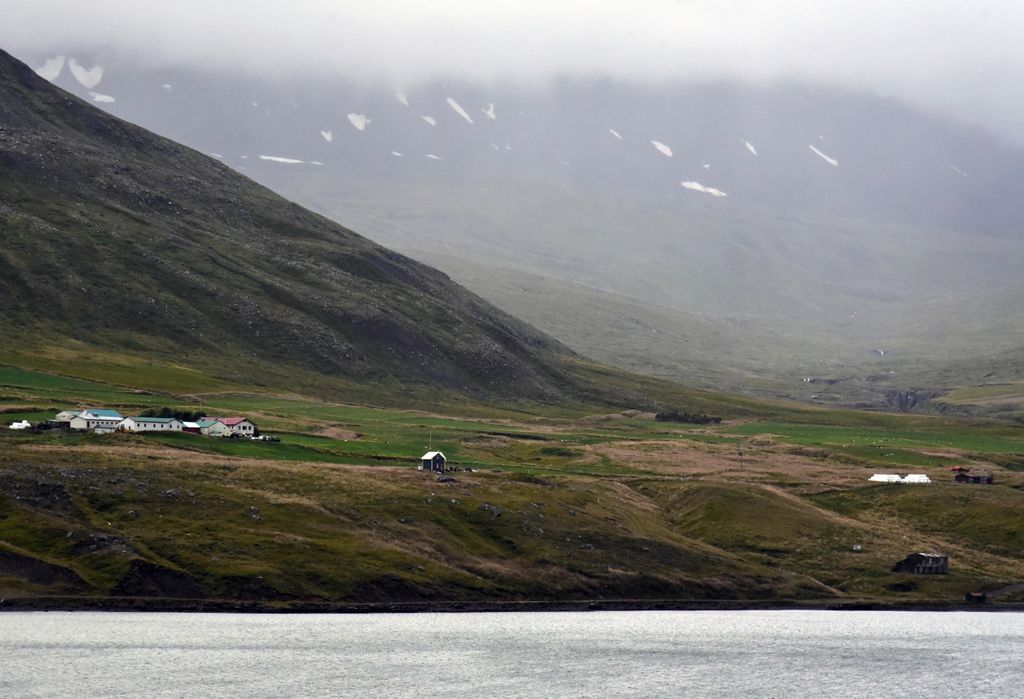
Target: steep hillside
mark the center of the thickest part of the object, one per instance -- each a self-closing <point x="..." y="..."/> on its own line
<point x="115" y="238"/>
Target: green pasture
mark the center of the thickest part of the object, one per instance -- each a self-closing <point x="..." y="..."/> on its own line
<point x="920" y="434"/>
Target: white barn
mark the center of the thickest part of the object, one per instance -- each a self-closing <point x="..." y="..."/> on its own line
<point x="213" y="428"/>
<point x="150" y="424"/>
<point x="68" y="415"/>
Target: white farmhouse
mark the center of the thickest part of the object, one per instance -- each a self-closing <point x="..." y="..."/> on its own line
<point x="238" y="425"/>
<point x="97" y="423"/>
<point x="150" y="424"/>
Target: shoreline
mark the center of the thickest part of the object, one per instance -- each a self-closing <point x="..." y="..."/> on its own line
<point x="174" y="605"/>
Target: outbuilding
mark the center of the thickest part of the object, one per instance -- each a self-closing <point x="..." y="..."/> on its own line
<point x="433" y="461"/>
<point x="923" y="564"/>
<point x="975" y="478"/>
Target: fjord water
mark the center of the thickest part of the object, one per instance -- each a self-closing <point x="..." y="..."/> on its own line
<point x="598" y="654"/>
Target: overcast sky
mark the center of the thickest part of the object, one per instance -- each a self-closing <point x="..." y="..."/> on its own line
<point x="960" y="58"/>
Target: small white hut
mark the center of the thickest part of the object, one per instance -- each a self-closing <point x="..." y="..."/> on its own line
<point x="433" y="461"/>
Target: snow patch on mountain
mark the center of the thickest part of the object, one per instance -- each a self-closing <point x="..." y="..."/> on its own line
<point x="51" y="68"/>
<point x="489" y="111"/>
<point x="706" y="166"/>
<point x="615" y="133"/>
<point x="958" y="170"/>
<point x="88" y="77"/>
<point x="429" y="119"/>
<point x="218" y="156"/>
<point x="359" y="121"/>
<point x="434" y="157"/>
<point x="662" y="147"/>
<point x="98" y="97"/>
<point x="698" y="187"/>
<point x="279" y="159"/>
<point x="328" y="135"/>
<point x="750" y="147"/>
<point x="396" y="154"/>
<point x="457" y="108"/>
<point x="402" y="97"/>
<point x="167" y="87"/>
<point x="827" y="159"/>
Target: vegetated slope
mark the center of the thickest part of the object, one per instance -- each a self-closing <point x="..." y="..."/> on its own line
<point x="571" y="505"/>
<point x="117" y="238"/>
<point x="285" y="534"/>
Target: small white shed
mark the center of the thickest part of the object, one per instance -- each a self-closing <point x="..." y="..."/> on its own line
<point x="433" y="461"/>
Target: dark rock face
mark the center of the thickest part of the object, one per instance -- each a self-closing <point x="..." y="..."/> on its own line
<point x="145" y="579"/>
<point x="906" y="401"/>
<point x="39" y="572"/>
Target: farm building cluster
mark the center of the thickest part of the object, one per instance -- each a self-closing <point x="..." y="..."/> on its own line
<point x="961" y="474"/>
<point x="103" y="420"/>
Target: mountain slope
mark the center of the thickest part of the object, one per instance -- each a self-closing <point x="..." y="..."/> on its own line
<point x="118" y="238"/>
<point x="862" y="241"/>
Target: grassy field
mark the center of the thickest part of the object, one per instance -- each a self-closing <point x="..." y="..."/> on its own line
<point x="550" y="504"/>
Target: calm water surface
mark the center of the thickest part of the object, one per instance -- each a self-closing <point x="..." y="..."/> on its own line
<point x="595" y="654"/>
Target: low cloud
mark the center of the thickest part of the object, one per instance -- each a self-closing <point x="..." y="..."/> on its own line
<point x="957" y="58"/>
